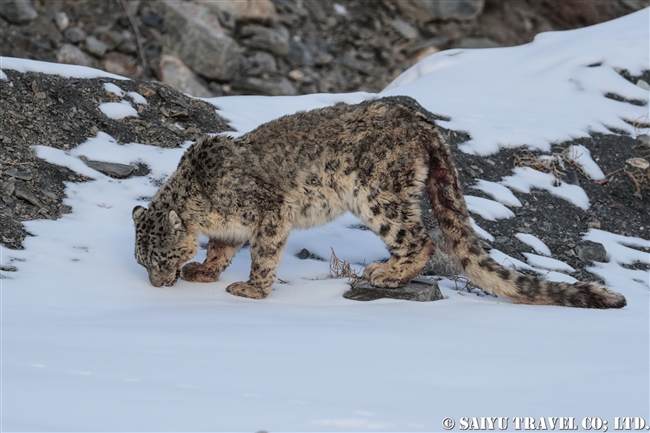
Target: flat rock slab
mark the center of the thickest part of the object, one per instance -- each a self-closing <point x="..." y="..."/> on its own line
<point x="418" y="290"/>
<point x="112" y="169"/>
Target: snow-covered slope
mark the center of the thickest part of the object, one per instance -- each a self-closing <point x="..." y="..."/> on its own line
<point x="88" y="344"/>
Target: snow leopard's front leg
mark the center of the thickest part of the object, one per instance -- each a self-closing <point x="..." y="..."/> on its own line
<point x="220" y="254"/>
<point x="267" y="246"/>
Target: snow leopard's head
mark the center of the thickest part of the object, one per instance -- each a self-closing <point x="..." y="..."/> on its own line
<point x="162" y="244"/>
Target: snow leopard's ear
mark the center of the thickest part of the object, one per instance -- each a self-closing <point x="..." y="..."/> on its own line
<point x="137" y="213"/>
<point x="175" y="220"/>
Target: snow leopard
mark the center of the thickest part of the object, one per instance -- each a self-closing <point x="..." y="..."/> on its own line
<point x="374" y="159"/>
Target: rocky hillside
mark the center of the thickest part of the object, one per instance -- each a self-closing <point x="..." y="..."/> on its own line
<point x="277" y="47"/>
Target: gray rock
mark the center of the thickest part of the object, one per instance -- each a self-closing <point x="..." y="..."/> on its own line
<point x="22" y="175"/>
<point x="18" y="11"/>
<point x="274" y="39"/>
<point x="315" y="11"/>
<point x="571" y="178"/>
<point x="272" y="87"/>
<point x="589" y="251"/>
<point x="304" y="254"/>
<point x="440" y="263"/>
<point x="7" y="188"/>
<point x="299" y="55"/>
<point x="237" y="10"/>
<point x="74" y="34"/>
<point x="23" y="192"/>
<point x="121" y="64"/>
<point x="128" y="46"/>
<point x="95" y="47"/>
<point x="477" y="43"/>
<point x="405" y="29"/>
<point x="49" y="194"/>
<point x="174" y="72"/>
<point x="644" y="139"/>
<point x="355" y="65"/>
<point x="417" y="290"/>
<point x="197" y="38"/>
<point x="261" y="62"/>
<point x="72" y="55"/>
<point x="643" y="84"/>
<point x="61" y="20"/>
<point x="112" y="169"/>
<point x="439" y="42"/>
<point x="427" y="10"/>
<point x="113" y="39"/>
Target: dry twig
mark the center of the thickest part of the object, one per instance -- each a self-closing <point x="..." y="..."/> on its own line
<point x="342" y="268"/>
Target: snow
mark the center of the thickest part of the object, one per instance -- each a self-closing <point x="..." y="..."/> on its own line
<point x="526" y="178"/>
<point x="512" y="263"/>
<point x="64" y="70"/>
<point x="118" y="110"/>
<point x="499" y="192"/>
<point x="537" y="93"/>
<point x="488" y="209"/>
<point x="620" y="252"/>
<point x="137" y="98"/>
<point x="547" y="263"/>
<point x="582" y="156"/>
<point x="88" y="343"/>
<point x="534" y="242"/>
<point x="482" y="233"/>
<point x="112" y="88"/>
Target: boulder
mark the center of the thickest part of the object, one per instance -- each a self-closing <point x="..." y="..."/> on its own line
<point x="242" y="10"/>
<point x="175" y="73"/>
<point x="274" y="39"/>
<point x="275" y="86"/>
<point x="428" y="10"/>
<point x="589" y="251"/>
<point x="121" y="64"/>
<point x="198" y="39"/>
<point x="72" y="55"/>
<point x="18" y="11"/>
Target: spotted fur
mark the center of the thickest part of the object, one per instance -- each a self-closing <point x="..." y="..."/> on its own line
<point x="373" y="159"/>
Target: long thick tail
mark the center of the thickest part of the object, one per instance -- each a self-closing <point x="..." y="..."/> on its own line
<point x="449" y="206"/>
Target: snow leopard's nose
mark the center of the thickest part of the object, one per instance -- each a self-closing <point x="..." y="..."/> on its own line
<point x="156" y="280"/>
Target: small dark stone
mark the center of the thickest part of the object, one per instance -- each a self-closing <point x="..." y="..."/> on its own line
<point x="644" y="139"/>
<point x="153" y="20"/>
<point x="589" y="251"/>
<point x="304" y="254"/>
<point x="74" y="34"/>
<point x="416" y="290"/>
<point x="7" y="188"/>
<point x="572" y="178"/>
<point x="299" y="55"/>
<point x="95" y="46"/>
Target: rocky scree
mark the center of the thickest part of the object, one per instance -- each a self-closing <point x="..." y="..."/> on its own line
<point x="277" y="47"/>
<point x="59" y="112"/>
